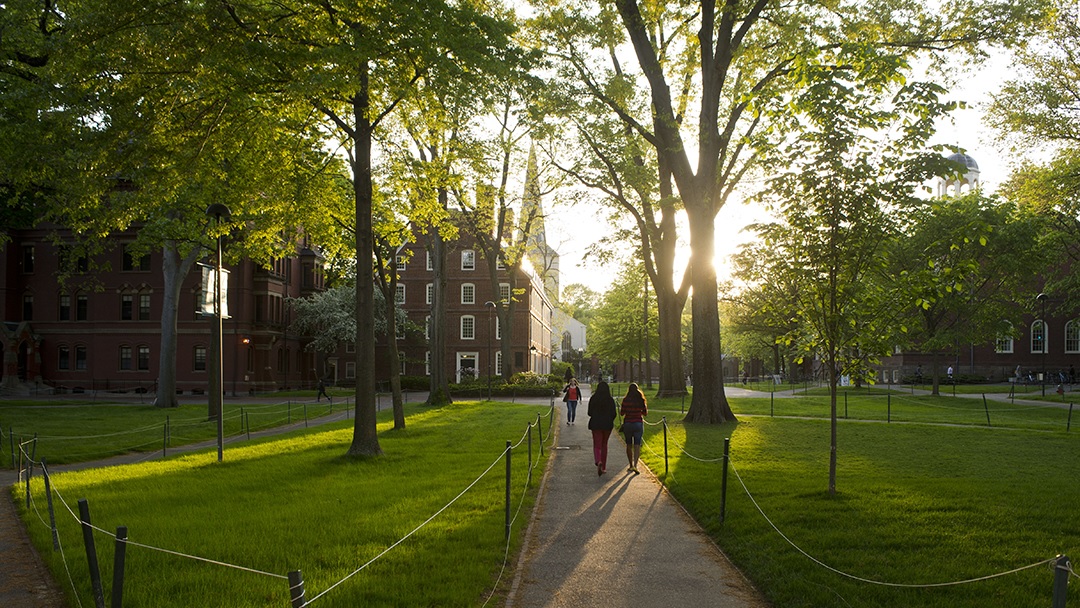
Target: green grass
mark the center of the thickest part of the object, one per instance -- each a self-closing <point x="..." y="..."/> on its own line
<point x="916" y="504"/>
<point x="296" y="503"/>
<point x="78" y="432"/>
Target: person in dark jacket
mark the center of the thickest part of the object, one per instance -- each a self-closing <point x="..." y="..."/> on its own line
<point x="633" y="410"/>
<point x="601" y="422"/>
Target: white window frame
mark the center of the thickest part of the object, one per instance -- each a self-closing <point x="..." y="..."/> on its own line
<point x="1044" y="331"/>
<point x="498" y="328"/>
<point x="430" y="297"/>
<point x="1072" y="336"/>
<point x="467" y="327"/>
<point x="1004" y="345"/>
<point x="399" y="294"/>
<point x="504" y="292"/>
<point x="427" y="327"/>
<point x="401" y="361"/>
<point x="468" y="293"/>
<point x="468" y="259"/>
<point x="401" y="263"/>
<point x="350" y="370"/>
<point x="498" y="363"/>
<point x="427" y="363"/>
<point x="429" y="264"/>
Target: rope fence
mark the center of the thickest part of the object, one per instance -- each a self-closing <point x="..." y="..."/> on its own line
<point x="1063" y="568"/>
<point x="294" y="579"/>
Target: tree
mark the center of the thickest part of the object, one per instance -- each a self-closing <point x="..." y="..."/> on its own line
<point x="618" y="331"/>
<point x="958" y="264"/>
<point x="859" y="156"/>
<point x="711" y="70"/>
<point x="127" y="136"/>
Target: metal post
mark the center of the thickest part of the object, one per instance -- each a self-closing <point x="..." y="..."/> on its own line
<point x="845" y="405"/>
<point x="296" y="589"/>
<point x="247" y="424"/>
<point x="52" y="512"/>
<point x="508" y="451"/>
<point x="305" y="416"/>
<point x="1061" y="581"/>
<point x="772" y="403"/>
<point x="987" y="408"/>
<point x="1068" y="424"/>
<point x="529" y="474"/>
<point x="1042" y="299"/>
<point x="723" y="482"/>
<point x="888" y="410"/>
<point x="91" y="553"/>
<point x="540" y="433"/>
<point x="118" y="567"/>
<point x="664" y="421"/>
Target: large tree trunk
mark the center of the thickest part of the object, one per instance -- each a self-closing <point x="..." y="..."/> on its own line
<point x="709" y="403"/>
<point x="174" y="270"/>
<point x="389" y="295"/>
<point x="365" y="440"/>
<point x="669" y="313"/>
<point x="439" y="392"/>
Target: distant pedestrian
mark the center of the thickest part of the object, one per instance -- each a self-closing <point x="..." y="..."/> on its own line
<point x="633" y="410"/>
<point x="949" y="373"/>
<point x="571" y="395"/>
<point x="602" y="414"/>
<point x="322" y="391"/>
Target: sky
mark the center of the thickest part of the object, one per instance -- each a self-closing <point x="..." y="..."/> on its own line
<point x="571" y="229"/>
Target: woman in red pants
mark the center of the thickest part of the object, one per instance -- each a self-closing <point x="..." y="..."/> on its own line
<point x="601" y="422"/>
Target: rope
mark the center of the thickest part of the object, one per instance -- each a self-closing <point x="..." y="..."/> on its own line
<point x="414" y="531"/>
<point x="872" y="581"/>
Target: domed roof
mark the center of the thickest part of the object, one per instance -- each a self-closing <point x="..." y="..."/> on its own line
<point x="965" y="160"/>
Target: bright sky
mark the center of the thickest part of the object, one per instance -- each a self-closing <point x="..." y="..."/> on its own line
<point x="572" y="229"/>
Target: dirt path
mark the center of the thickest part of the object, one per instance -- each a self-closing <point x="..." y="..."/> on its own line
<point x="25" y="582"/>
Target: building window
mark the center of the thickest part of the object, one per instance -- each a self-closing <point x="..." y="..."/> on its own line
<point x="468" y="293"/>
<point x="504" y="293"/>
<point x="64" y="312"/>
<point x="1072" y="336"/>
<point x="80" y="357"/>
<point x="350" y="370"/>
<point x="350" y="347"/>
<point x="430" y="293"/>
<point x="427" y="363"/>
<point x="500" y="263"/>
<point x="28" y="308"/>
<point x="144" y="307"/>
<point x="127" y="307"/>
<point x="82" y="305"/>
<point x="136" y="263"/>
<point x="144" y="358"/>
<point x="125" y="358"/>
<point x="498" y="328"/>
<point x="427" y="327"/>
<point x="63" y="357"/>
<point x="399" y="295"/>
<point x="1004" y="342"/>
<point x="498" y="363"/>
<point x="401" y="264"/>
<point x="1038" y="337"/>
<point x="468" y="259"/>
<point x="199" y="362"/>
<point x="430" y="264"/>
<point x="468" y="327"/>
<point x="28" y="259"/>
<point x="401" y="362"/>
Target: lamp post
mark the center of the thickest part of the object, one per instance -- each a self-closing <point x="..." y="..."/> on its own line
<point x="532" y="357"/>
<point x="491" y="308"/>
<point x="1042" y="323"/>
<point x="220" y="213"/>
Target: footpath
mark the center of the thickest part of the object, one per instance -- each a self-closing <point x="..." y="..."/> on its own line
<point x="618" y="539"/>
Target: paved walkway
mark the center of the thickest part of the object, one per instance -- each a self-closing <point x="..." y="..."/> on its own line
<point x="617" y="540"/>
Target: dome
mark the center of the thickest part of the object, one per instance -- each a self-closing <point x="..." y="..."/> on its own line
<point x="965" y="160"/>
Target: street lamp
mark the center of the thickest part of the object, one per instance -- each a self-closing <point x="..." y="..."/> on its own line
<point x="220" y="213"/>
<point x="491" y="308"/>
<point x="532" y="357"/>
<point x="1042" y="323"/>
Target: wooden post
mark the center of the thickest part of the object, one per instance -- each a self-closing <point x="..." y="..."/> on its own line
<point x="296" y="589"/>
<point x="118" y="567"/>
<point x="91" y="553"/>
<point x="52" y="512"/>
<point x="1061" y="581"/>
<point x="723" y="483"/>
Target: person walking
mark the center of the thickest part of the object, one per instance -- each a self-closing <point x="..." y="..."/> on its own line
<point x="602" y="414"/>
<point x="322" y="391"/>
<point x="571" y="395"/>
<point x="633" y="410"/>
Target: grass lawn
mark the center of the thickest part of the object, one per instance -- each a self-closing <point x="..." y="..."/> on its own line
<point x="916" y="504"/>
<point x="78" y="432"/>
<point x="296" y="503"/>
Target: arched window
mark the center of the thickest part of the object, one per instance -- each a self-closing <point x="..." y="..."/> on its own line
<point x="1004" y="342"/>
<point x="1038" y="337"/>
<point x="1072" y="336"/>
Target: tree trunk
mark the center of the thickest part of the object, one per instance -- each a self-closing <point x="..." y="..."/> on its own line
<point x="669" y="316"/>
<point x="174" y="270"/>
<point x="439" y="392"/>
<point x="365" y="441"/>
<point x="709" y="404"/>
<point x="389" y="296"/>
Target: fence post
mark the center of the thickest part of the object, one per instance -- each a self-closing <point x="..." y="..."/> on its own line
<point x="11" y="439"/>
<point x="845" y="405"/>
<point x="164" y="440"/>
<point x="508" y="451"/>
<point x="118" y="567"/>
<point x="664" y="421"/>
<point x="987" y="408"/>
<point x="1061" y="581"/>
<point x="296" y="589"/>
<point x="528" y="479"/>
<point x="305" y="416"/>
<point x="540" y="432"/>
<point x="91" y="553"/>
<point x="48" y="501"/>
<point x="888" y="414"/>
<point x="772" y="403"/>
<point x="29" y="476"/>
<point x="1068" y="423"/>
<point x="290" y="412"/>
<point x="723" y="483"/>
